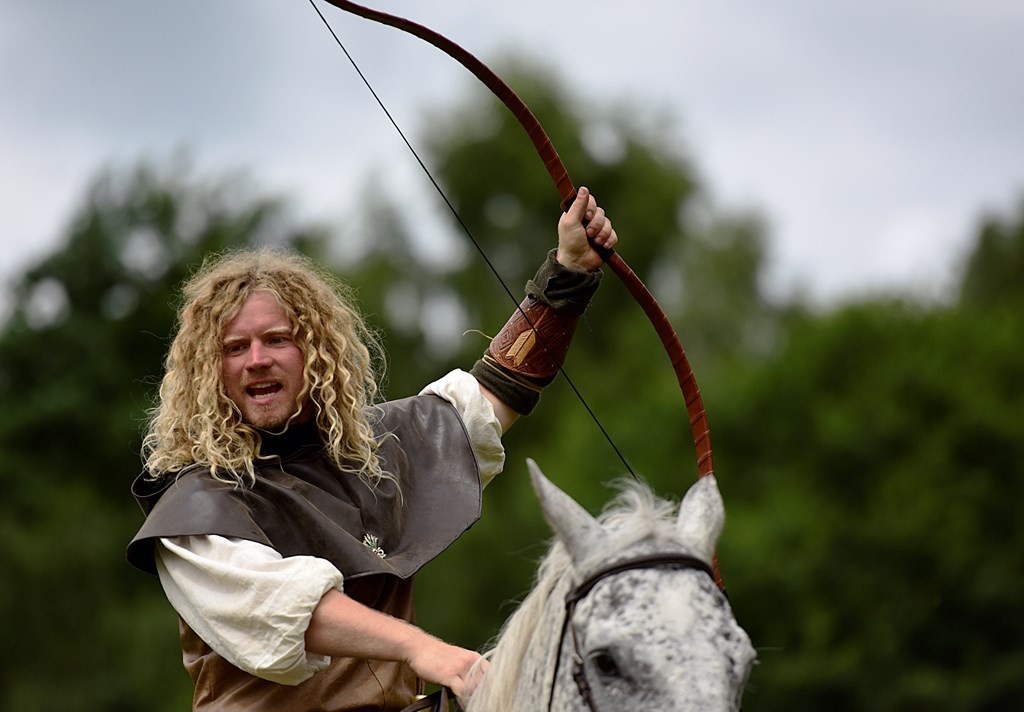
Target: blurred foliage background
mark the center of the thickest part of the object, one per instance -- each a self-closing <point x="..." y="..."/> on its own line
<point x="870" y="452"/>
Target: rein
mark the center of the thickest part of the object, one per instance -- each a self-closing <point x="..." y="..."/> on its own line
<point x="435" y="702"/>
<point x="583" y="589"/>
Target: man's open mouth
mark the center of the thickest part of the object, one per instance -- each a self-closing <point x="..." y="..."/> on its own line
<point x="262" y="390"/>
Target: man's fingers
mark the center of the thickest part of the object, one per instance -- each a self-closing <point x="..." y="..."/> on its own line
<point x="596" y="224"/>
<point x="474" y="678"/>
<point x="578" y="210"/>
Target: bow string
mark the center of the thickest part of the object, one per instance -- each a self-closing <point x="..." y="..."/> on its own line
<point x="563" y="183"/>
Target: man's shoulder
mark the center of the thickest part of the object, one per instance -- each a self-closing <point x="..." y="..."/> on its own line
<point x="188" y="503"/>
<point x="148" y="489"/>
<point x="415" y="411"/>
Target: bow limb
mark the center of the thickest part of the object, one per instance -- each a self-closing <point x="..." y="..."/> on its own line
<point x="560" y="177"/>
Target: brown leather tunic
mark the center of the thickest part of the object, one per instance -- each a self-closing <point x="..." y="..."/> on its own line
<point x="435" y="497"/>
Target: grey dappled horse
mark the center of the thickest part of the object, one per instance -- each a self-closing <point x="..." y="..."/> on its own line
<point x="648" y="626"/>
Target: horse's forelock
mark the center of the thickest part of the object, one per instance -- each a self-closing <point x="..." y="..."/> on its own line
<point x="636" y="513"/>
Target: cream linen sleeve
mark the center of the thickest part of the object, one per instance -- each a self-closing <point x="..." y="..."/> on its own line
<point x="462" y="390"/>
<point x="250" y="604"/>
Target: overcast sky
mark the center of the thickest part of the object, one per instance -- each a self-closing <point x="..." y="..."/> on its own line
<point x="871" y="133"/>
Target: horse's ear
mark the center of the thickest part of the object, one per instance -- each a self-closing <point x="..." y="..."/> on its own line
<point x="701" y="517"/>
<point x="581" y="533"/>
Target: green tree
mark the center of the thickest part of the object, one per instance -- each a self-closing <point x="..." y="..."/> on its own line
<point x="872" y="464"/>
<point x="992" y="275"/>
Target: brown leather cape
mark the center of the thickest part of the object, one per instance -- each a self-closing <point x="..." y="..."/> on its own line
<point x="302" y="505"/>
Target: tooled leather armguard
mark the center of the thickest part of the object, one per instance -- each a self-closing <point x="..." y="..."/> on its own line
<point x="529" y="350"/>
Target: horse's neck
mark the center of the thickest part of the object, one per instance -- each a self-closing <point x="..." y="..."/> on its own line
<point x="523" y="661"/>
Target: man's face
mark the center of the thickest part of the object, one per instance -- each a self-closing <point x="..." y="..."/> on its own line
<point x="261" y="365"/>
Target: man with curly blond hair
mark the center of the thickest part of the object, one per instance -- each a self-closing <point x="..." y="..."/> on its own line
<point x="287" y="512"/>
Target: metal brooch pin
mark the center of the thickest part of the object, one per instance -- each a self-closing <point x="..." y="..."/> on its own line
<point x="373" y="543"/>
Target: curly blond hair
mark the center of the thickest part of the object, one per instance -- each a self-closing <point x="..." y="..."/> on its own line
<point x="195" y="423"/>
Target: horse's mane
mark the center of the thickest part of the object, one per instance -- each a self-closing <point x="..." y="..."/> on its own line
<point x="635" y="514"/>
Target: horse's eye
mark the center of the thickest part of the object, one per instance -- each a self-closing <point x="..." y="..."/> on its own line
<point x="605" y="664"/>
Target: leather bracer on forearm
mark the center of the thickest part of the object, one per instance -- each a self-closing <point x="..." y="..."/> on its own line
<point x="529" y="351"/>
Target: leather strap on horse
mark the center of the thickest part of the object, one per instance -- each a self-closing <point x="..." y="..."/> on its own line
<point x="435" y="702"/>
<point x="582" y="589"/>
